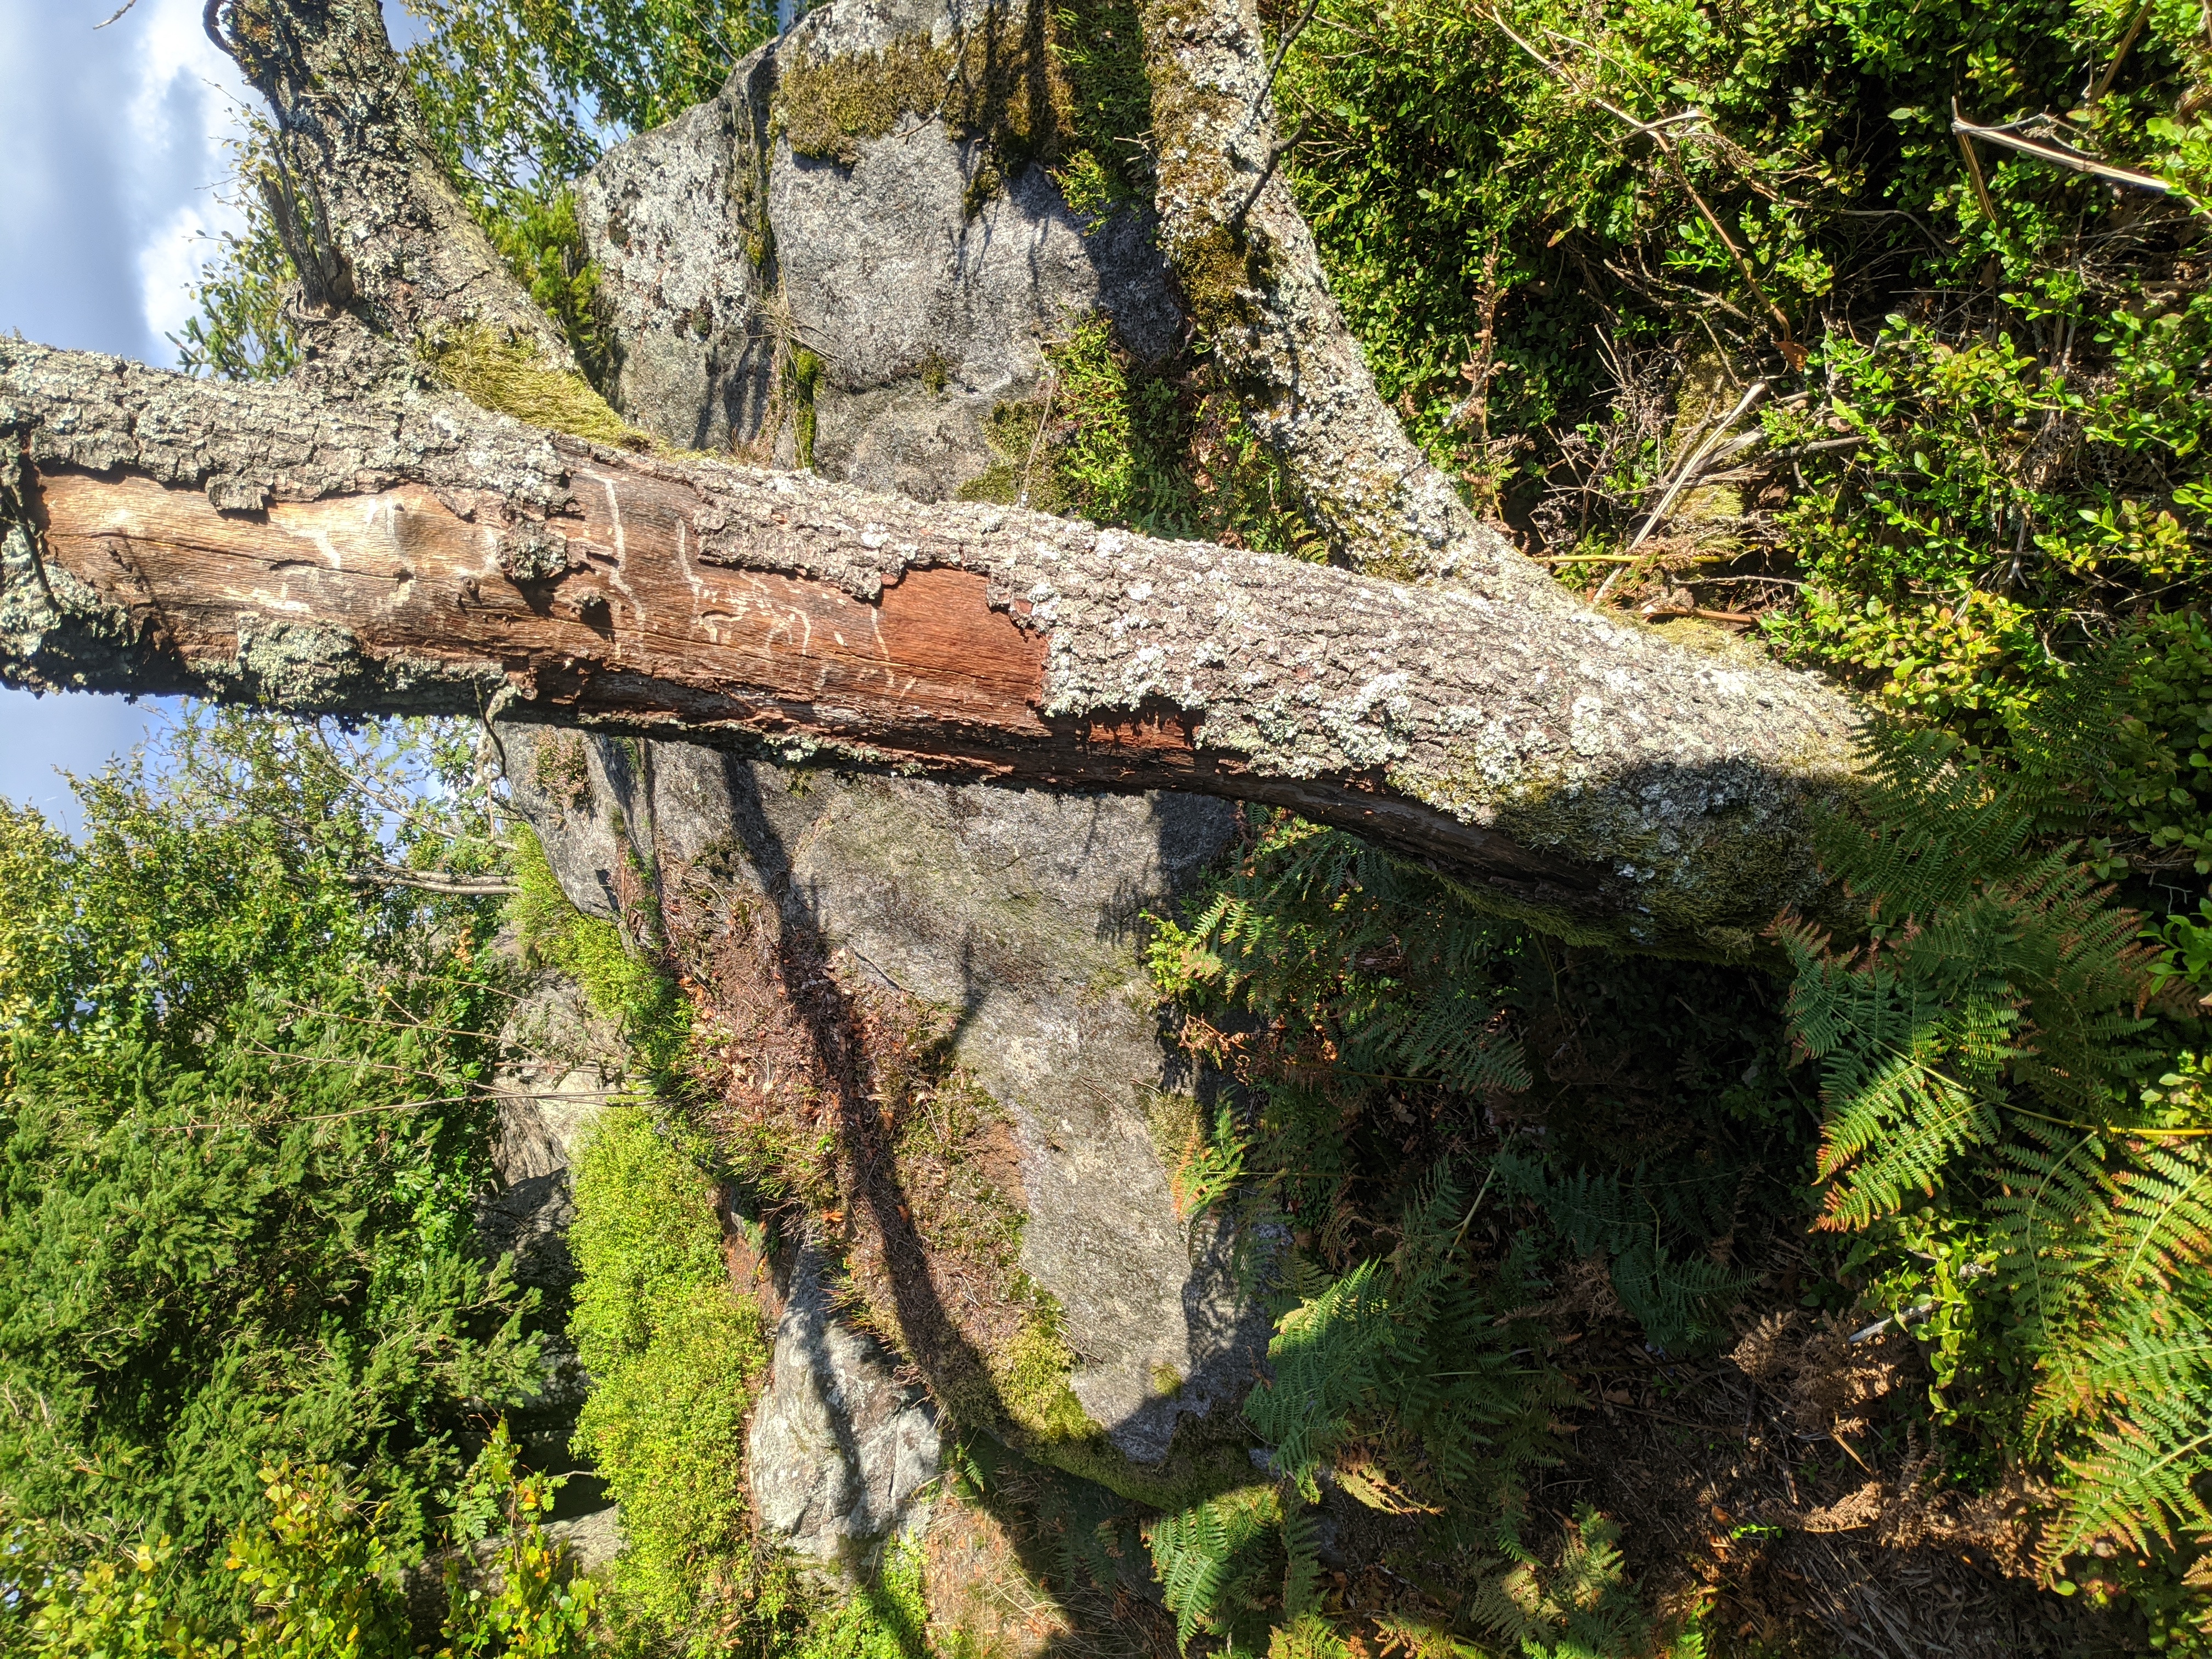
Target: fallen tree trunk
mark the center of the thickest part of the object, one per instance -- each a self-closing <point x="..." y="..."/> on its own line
<point x="414" y="553"/>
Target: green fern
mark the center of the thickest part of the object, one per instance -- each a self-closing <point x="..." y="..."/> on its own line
<point x="1326" y="1357"/>
<point x="1210" y="1557"/>
<point x="1409" y="1357"/>
<point x="2139" y="1484"/>
<point x="2165" y="1215"/>
<point x="1979" y="1043"/>
<point x="1681" y="1300"/>
<point x="1581" y="1608"/>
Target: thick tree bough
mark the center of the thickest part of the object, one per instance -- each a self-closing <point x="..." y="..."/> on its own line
<point x="378" y="234"/>
<point x="271" y="544"/>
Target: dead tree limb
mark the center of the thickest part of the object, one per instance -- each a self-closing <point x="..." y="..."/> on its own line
<point x="415" y="554"/>
<point x="358" y="543"/>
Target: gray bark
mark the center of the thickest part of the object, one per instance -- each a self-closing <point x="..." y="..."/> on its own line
<point x="388" y="254"/>
<point x="412" y="552"/>
<point x="1247" y="264"/>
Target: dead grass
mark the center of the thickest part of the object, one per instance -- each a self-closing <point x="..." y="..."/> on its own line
<point x="1784" y="1488"/>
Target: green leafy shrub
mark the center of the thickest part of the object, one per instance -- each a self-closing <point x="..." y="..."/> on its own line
<point x="244" y="1110"/>
<point x="321" y="1572"/>
<point x="538" y="1606"/>
<point x="105" y="1610"/>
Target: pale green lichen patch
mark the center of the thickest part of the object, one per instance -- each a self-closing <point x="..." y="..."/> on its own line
<point x="1668" y="852"/>
<point x="298" y="665"/>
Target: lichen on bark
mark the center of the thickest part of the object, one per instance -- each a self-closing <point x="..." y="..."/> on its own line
<point x="1528" y="748"/>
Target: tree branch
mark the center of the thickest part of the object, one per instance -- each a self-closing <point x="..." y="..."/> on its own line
<point x="412" y="554"/>
<point x="434" y="881"/>
<point x="1253" y="278"/>
<point x="377" y="231"/>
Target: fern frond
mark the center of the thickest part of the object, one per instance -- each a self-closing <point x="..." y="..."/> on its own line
<point x="1917" y="1119"/>
<point x="2054" y="1195"/>
<point x="1584" y="1606"/>
<point x="2164" y="1215"/>
<point x="1307" y="1636"/>
<point x="2140" y="1483"/>
<point x="1202" y="1554"/>
<point x="1452" y="1037"/>
<point x="2137" y="1359"/>
<point x="1928" y="829"/>
<point x="1326" y="1355"/>
<point x="1679" y="1304"/>
<point x="1301" y="1562"/>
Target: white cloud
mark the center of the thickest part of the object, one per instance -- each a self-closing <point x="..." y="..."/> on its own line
<point x="170" y="264"/>
<point x="185" y="105"/>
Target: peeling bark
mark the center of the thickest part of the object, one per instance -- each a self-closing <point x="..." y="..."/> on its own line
<point x="1254" y="279"/>
<point x="413" y="553"/>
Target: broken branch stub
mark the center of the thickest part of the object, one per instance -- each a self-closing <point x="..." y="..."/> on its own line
<point x="271" y="545"/>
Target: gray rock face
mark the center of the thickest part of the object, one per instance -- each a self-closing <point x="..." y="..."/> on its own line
<point x="563" y="1060"/>
<point x="672" y="217"/>
<point x="928" y="293"/>
<point x="839" y="1453"/>
<point x="1020" y="910"/>
<point x="925" y="289"/>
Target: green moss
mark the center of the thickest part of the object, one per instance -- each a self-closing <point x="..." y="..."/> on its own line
<point x="1175" y="1124"/>
<point x="826" y="109"/>
<point x="804" y="369"/>
<point x="1048" y="1423"/>
<point x="886" y="1618"/>
<point x="655" y="1019"/>
<point x="675" y="1357"/>
<point x="1219" y="271"/>
<point x="543" y="244"/>
<point x="1033" y="1376"/>
<point x="987" y="184"/>
<point x="1163" y="449"/>
<point x="994" y="84"/>
<point x="509" y="377"/>
<point x="1099" y="45"/>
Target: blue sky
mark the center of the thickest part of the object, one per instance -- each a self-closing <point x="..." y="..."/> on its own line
<point x="113" y="173"/>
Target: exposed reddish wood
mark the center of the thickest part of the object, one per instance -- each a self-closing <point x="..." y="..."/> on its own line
<point x="411" y="554"/>
<point x="643" y="621"/>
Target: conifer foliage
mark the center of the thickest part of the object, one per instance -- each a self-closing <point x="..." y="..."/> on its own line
<point x="245" y="1116"/>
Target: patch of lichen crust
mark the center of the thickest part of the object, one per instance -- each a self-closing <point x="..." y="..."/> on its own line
<point x="1672" y="850"/>
<point x="998" y="82"/>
